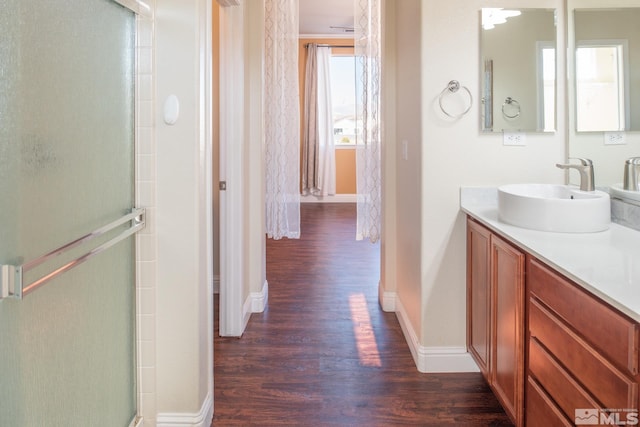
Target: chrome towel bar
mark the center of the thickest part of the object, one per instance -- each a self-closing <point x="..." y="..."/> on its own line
<point x="12" y="276"/>
<point x="452" y="87"/>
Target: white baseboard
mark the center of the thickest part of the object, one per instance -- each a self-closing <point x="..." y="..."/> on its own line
<point x="433" y="359"/>
<point x="447" y="359"/>
<point x="387" y="300"/>
<point x="336" y="198"/>
<point x="259" y="299"/>
<point x="256" y="302"/>
<point x="136" y="422"/>
<point x="202" y="419"/>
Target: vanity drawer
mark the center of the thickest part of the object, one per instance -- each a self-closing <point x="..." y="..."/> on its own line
<point x="565" y="391"/>
<point x="596" y="374"/>
<point x="541" y="411"/>
<point x="602" y="327"/>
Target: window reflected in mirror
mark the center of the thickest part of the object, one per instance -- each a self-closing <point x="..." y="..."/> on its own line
<point x="547" y="86"/>
<point x="601" y="92"/>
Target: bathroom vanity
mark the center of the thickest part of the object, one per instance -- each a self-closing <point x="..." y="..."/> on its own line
<point x="554" y="318"/>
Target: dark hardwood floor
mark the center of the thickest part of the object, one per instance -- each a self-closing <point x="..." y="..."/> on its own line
<point x="324" y="353"/>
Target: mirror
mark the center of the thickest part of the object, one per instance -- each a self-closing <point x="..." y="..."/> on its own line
<point x="518" y="63"/>
<point x="603" y="66"/>
<point x="607" y="69"/>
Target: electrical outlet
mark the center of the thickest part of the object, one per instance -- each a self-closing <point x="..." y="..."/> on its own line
<point x="514" y="138"/>
<point x="615" y="138"/>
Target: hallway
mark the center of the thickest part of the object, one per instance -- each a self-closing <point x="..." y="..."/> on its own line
<point x="324" y="354"/>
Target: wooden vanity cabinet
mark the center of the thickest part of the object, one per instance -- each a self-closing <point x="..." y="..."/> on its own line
<point x="582" y="353"/>
<point x="479" y="296"/>
<point x="495" y="315"/>
<point x="569" y="350"/>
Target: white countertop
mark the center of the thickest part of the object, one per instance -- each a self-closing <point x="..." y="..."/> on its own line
<point x="607" y="263"/>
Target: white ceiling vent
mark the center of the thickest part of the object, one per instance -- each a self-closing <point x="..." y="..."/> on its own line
<point x="227" y="3"/>
<point x="343" y="29"/>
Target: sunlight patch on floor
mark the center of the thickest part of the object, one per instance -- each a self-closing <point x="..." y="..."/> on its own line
<point x="363" y="331"/>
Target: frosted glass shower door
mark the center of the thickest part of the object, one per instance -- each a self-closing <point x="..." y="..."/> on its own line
<point x="67" y="350"/>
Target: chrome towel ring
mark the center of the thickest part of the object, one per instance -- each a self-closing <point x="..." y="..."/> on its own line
<point x="512" y="105"/>
<point x="453" y="87"/>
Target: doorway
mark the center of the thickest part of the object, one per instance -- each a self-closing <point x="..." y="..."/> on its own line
<point x="243" y="286"/>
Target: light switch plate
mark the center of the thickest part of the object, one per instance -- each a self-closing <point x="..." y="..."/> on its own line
<point x="514" y="138"/>
<point x="405" y="149"/>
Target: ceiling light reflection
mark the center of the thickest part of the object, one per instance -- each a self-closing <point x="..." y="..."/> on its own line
<point x="492" y="16"/>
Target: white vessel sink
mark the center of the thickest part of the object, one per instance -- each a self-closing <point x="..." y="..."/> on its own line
<point x="552" y="207"/>
<point x="618" y="191"/>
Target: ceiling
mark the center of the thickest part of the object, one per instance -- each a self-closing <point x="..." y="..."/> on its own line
<point x="318" y="16"/>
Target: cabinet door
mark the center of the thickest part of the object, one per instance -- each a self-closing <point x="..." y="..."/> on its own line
<point x="507" y="359"/>
<point x="478" y="295"/>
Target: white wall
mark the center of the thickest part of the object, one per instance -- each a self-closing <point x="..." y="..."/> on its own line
<point x="388" y="242"/>
<point x="183" y="278"/>
<point x="409" y="185"/>
<point x="451" y="154"/>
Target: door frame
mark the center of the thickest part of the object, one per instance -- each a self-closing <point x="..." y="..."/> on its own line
<point x="231" y="168"/>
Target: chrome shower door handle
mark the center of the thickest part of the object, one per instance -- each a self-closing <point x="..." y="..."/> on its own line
<point x="12" y="276"/>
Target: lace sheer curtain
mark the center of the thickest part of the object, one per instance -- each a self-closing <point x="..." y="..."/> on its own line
<point x="368" y="48"/>
<point x="282" y="119"/>
<point x="318" y="150"/>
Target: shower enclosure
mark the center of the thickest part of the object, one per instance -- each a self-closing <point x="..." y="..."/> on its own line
<point x="67" y="281"/>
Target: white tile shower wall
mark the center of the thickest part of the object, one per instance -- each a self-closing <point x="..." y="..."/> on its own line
<point x="146" y="239"/>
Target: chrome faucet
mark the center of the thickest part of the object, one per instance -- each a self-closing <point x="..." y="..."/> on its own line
<point x="631" y="172"/>
<point x="587" y="182"/>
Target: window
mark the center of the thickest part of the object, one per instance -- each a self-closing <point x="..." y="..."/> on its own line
<point x="343" y="94"/>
